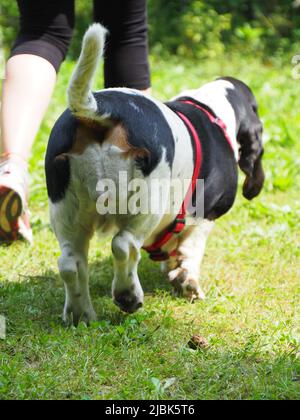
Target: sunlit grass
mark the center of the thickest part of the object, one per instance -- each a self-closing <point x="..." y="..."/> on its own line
<point x="250" y="274"/>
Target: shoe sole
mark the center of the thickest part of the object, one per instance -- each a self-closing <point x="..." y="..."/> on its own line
<point x="11" y="209"/>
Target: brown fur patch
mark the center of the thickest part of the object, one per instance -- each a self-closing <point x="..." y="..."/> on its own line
<point x="119" y="139"/>
<point x="89" y="132"/>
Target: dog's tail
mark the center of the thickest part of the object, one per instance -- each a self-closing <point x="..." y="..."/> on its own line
<point x="81" y="100"/>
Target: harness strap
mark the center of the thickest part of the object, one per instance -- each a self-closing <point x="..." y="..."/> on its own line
<point x="155" y="250"/>
<point x="156" y="254"/>
<point x="214" y="120"/>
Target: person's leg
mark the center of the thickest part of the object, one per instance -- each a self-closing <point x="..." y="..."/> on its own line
<point x="126" y="56"/>
<point x="45" y="34"/>
<point x="27" y="90"/>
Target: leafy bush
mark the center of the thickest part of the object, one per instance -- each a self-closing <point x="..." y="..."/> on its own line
<point x="192" y="29"/>
<point x="197" y="28"/>
<point x="8" y="22"/>
<point x="207" y="27"/>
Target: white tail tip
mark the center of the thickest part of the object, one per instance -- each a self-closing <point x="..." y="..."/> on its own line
<point x="81" y="99"/>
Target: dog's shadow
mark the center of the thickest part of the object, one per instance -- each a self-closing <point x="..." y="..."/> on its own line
<point x="39" y="299"/>
<point x="101" y="275"/>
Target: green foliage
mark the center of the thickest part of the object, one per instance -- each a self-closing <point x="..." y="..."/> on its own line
<point x="197" y="28"/>
<point x="194" y="31"/>
<point x="212" y="25"/>
<point x="8" y="22"/>
<point x="204" y="28"/>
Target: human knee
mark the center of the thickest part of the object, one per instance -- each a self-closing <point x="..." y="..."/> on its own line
<point x="45" y="30"/>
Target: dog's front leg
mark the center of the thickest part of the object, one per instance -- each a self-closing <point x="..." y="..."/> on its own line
<point x="73" y="267"/>
<point x="184" y="271"/>
<point x="127" y="291"/>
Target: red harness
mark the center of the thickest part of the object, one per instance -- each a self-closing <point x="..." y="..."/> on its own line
<point x="155" y="250"/>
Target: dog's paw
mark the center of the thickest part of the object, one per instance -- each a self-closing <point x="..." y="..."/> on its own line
<point x="73" y="315"/>
<point x="128" y="301"/>
<point x="185" y="285"/>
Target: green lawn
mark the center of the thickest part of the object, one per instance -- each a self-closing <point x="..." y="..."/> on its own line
<point x="251" y="317"/>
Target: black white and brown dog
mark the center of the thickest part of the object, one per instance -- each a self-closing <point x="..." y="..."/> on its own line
<point x="202" y="134"/>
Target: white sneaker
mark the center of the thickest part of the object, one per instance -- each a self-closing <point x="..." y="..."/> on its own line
<point x="14" y="214"/>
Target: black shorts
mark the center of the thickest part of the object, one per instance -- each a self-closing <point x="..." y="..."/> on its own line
<point x="46" y="29"/>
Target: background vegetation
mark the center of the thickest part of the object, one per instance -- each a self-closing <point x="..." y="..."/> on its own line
<point x="251" y="271"/>
<point x="198" y="28"/>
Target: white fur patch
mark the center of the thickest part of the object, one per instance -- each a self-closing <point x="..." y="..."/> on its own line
<point x="81" y="99"/>
<point x="214" y="95"/>
<point x="75" y="218"/>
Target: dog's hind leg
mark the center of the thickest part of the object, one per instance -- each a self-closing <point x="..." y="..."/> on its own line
<point x="127" y="290"/>
<point x="184" y="270"/>
<point x="73" y="268"/>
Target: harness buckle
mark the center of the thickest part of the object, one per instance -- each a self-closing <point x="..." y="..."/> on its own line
<point x="159" y="256"/>
<point x="178" y="226"/>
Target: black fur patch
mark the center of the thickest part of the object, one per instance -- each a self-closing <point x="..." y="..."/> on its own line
<point x="249" y="126"/>
<point x="219" y="167"/>
<point x="249" y="136"/>
<point x="145" y="124"/>
<point x="57" y="165"/>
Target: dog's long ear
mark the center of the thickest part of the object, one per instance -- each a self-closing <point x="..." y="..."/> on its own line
<point x="251" y="149"/>
<point x="254" y="184"/>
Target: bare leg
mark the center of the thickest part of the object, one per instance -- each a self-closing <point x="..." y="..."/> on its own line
<point x="147" y="91"/>
<point x="26" y="94"/>
<point x="27" y="91"/>
<point x="184" y="271"/>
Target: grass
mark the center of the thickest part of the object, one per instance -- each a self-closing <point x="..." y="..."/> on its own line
<point x="250" y="274"/>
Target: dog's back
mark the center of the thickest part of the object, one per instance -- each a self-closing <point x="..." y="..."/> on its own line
<point x="106" y="132"/>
